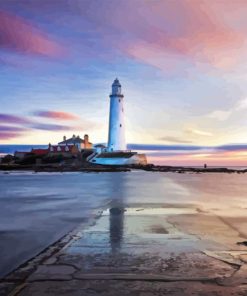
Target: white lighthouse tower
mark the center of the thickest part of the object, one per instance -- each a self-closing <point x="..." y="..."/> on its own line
<point x="116" y="153"/>
<point x="116" y="136"/>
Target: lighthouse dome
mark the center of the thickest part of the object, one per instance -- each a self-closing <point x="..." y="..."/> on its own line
<point x="116" y="82"/>
<point x="116" y="87"/>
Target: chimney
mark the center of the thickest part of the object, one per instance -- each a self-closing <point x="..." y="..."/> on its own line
<point x="64" y="138"/>
<point x="86" y="140"/>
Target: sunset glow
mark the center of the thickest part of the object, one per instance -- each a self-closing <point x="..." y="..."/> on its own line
<point x="182" y="65"/>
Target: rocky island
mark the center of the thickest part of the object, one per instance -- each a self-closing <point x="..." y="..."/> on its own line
<point x="60" y="163"/>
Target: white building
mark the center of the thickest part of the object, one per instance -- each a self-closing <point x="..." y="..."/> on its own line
<point x="116" y="136"/>
<point x="116" y="152"/>
<point x="81" y="144"/>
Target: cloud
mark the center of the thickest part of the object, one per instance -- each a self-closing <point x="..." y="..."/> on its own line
<point x="198" y="132"/>
<point x="220" y="115"/>
<point x="59" y="115"/>
<point x="189" y="29"/>
<point x="21" y="36"/>
<point x="223" y="115"/>
<point x="9" y="135"/>
<point x="160" y="33"/>
<point x="153" y="147"/>
<point x="10" y="132"/>
<point x="25" y="124"/>
<point x="51" y="127"/>
<point x="232" y="147"/>
<point x="233" y="154"/>
<point x="12" y="129"/>
<point x="13" y="119"/>
<point x="174" y="140"/>
<point x="241" y="105"/>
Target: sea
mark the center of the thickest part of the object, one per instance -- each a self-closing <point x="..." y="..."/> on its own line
<point x="10" y="149"/>
<point x="36" y="209"/>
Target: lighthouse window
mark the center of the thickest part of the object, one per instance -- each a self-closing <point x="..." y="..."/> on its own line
<point x="119" y="100"/>
<point x="120" y="125"/>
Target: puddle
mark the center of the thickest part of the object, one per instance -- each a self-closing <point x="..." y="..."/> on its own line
<point x="135" y="231"/>
<point x="141" y="240"/>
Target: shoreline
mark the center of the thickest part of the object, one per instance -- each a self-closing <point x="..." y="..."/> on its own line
<point x="100" y="168"/>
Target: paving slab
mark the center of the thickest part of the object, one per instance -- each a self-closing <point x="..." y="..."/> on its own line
<point x="52" y="272"/>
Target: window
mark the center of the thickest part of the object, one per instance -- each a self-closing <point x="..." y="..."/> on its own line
<point x="119" y="100"/>
<point x="120" y="125"/>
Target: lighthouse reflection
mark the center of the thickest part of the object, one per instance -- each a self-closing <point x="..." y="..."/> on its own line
<point x="116" y="218"/>
<point x="116" y="228"/>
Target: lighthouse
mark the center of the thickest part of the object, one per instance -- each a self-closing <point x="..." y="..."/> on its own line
<point x="116" y="153"/>
<point x="116" y="136"/>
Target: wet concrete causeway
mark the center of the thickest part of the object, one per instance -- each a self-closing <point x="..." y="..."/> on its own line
<point x="139" y="251"/>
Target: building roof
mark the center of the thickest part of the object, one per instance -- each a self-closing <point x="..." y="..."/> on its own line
<point x="57" y="148"/>
<point x="39" y="151"/>
<point x="73" y="140"/>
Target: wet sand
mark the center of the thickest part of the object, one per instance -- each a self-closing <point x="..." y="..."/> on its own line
<point x="142" y="249"/>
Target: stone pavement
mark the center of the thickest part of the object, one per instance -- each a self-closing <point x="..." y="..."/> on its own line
<point x="148" y="250"/>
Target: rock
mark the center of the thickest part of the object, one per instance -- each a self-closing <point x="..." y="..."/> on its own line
<point x="243" y="258"/>
<point x="244" y="243"/>
<point x="238" y="278"/>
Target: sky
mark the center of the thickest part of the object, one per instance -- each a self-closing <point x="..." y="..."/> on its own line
<point x="182" y="65"/>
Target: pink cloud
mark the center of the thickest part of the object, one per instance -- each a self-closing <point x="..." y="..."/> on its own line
<point x="51" y="127"/>
<point x="13" y="119"/>
<point x="190" y="29"/>
<point x="21" y="36"/>
<point x="159" y="33"/>
<point x="9" y="135"/>
<point x="59" y="115"/>
<point x="14" y="124"/>
<point x="7" y="129"/>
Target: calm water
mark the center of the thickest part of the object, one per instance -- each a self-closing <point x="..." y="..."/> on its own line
<point x="37" y="209"/>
